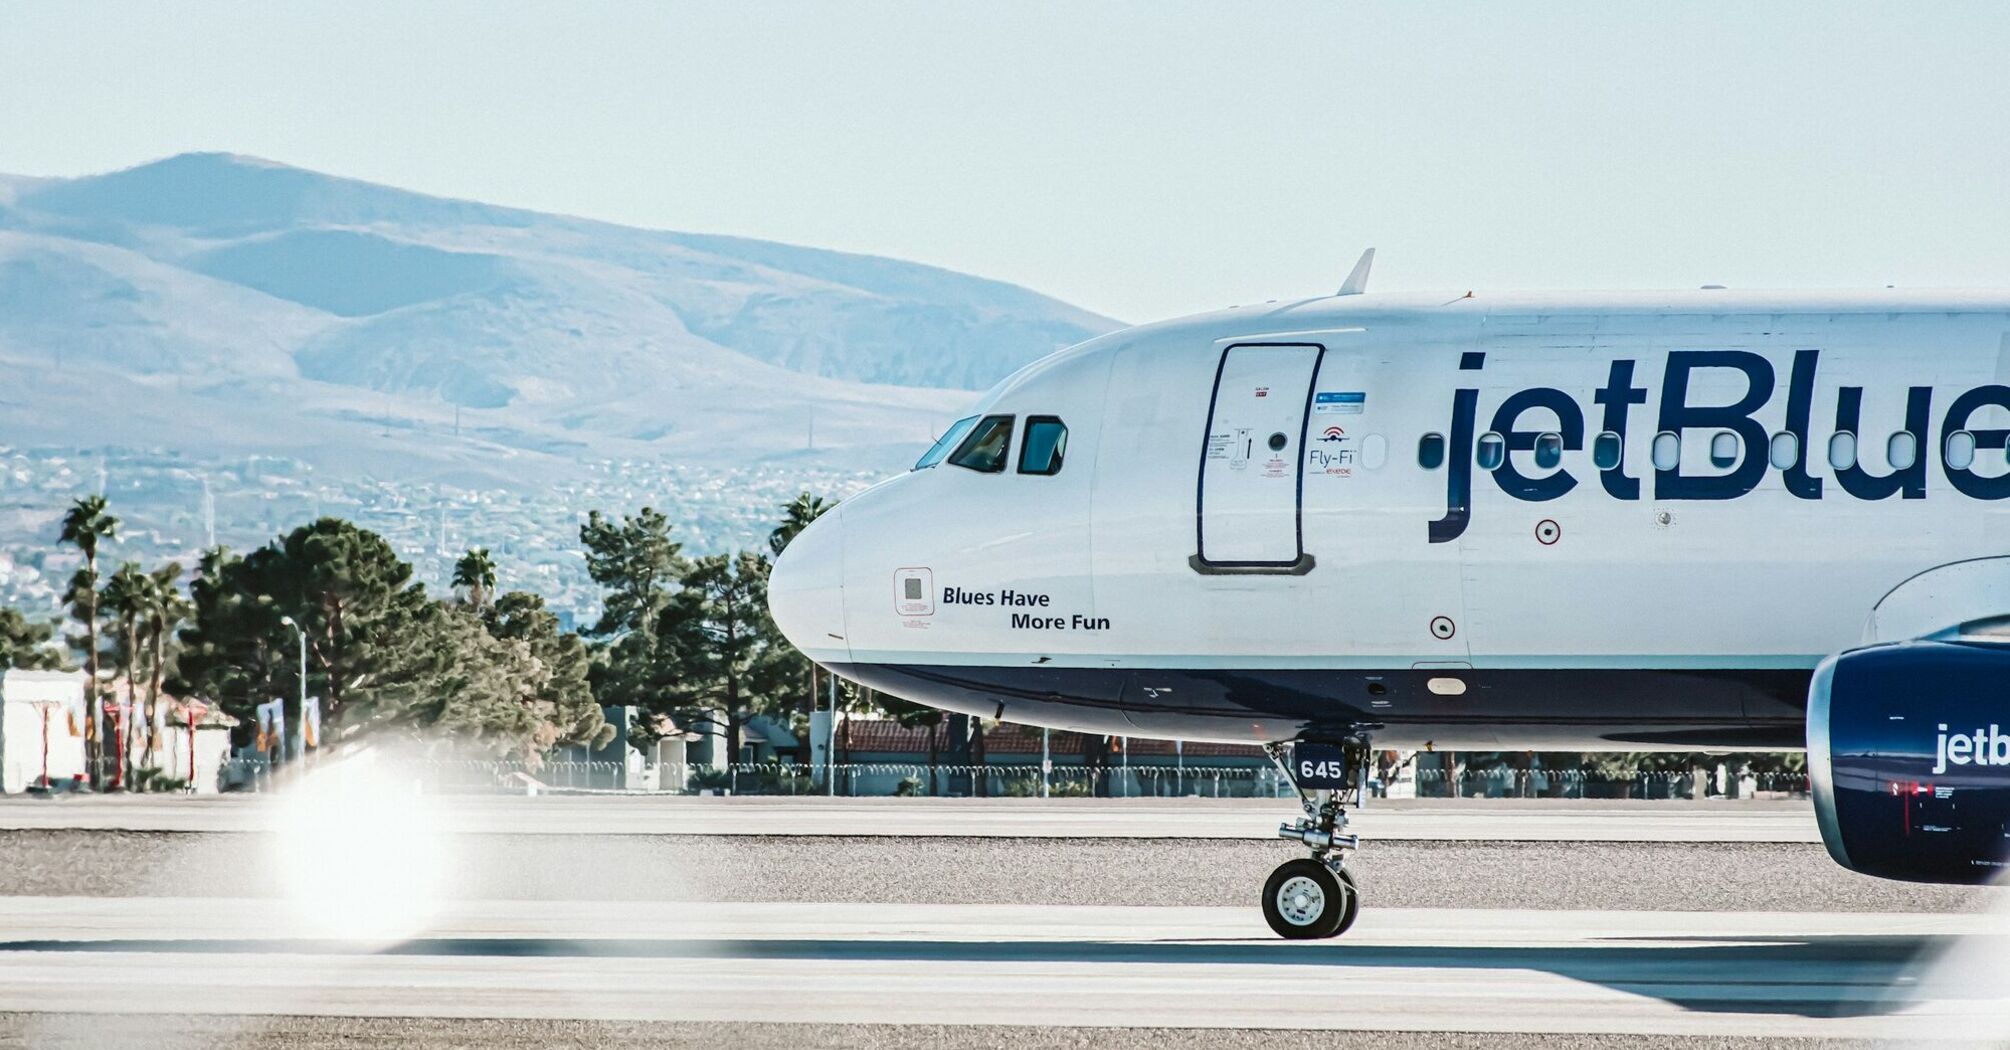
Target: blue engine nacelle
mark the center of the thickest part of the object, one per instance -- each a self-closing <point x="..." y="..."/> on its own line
<point x="1909" y="754"/>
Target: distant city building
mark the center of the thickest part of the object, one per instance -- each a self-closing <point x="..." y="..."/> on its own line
<point x="171" y="505"/>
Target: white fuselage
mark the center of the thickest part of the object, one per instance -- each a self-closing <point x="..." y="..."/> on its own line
<point x="1177" y="545"/>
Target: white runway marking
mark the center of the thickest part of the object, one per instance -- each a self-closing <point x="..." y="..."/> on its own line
<point x="1476" y="820"/>
<point x="1753" y="973"/>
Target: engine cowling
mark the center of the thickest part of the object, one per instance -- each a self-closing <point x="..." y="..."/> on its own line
<point x="1909" y="755"/>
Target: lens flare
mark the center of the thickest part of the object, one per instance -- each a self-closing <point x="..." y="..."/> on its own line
<point x="361" y="850"/>
<point x="1962" y="983"/>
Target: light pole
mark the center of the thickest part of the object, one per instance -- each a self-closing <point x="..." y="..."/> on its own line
<point x="301" y="711"/>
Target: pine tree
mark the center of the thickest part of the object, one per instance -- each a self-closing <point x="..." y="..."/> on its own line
<point x="368" y="625"/>
<point x="574" y="716"/>
<point x="499" y="676"/>
<point x="641" y="569"/>
<point x="234" y="650"/>
<point x="26" y="644"/>
<point x="717" y="630"/>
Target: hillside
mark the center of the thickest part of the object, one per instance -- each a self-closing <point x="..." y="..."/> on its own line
<point x="215" y="338"/>
<point x="216" y="302"/>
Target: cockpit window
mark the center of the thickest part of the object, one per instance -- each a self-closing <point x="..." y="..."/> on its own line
<point x="946" y="442"/>
<point x="984" y="450"/>
<point x="1041" y="450"/>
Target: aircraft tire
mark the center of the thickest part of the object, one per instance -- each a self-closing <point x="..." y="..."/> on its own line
<point x="1353" y="910"/>
<point x="1303" y="900"/>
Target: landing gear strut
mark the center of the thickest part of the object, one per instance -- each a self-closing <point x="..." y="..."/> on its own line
<point x="1314" y="897"/>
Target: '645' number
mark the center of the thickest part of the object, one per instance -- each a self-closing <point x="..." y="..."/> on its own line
<point x="1319" y="766"/>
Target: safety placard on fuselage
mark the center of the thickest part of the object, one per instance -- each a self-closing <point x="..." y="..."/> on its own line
<point x="1339" y="402"/>
<point x="1026" y="610"/>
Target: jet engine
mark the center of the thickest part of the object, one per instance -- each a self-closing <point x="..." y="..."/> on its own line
<point x="1909" y="754"/>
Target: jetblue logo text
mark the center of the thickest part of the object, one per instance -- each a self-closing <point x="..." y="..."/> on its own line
<point x="1989" y="747"/>
<point x="1753" y="381"/>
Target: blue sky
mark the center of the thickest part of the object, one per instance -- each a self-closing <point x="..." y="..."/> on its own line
<point x="1141" y="159"/>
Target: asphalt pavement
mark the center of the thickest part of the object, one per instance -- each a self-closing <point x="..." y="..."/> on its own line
<point x="504" y="922"/>
<point x="1470" y="970"/>
<point x="1541" y="820"/>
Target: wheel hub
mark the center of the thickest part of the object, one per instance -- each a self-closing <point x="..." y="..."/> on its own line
<point x="1301" y="901"/>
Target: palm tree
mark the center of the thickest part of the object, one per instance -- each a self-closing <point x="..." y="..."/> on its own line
<point x="477" y="572"/>
<point x="85" y="525"/>
<point x="127" y="596"/>
<point x="166" y="609"/>
<point x="796" y="516"/>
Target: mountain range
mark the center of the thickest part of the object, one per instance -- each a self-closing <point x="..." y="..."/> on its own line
<point x="223" y="305"/>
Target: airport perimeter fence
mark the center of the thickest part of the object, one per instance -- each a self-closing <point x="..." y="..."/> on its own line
<point x="1163" y="781"/>
<point x="450" y="775"/>
<point x="881" y="779"/>
<point x="1597" y="783"/>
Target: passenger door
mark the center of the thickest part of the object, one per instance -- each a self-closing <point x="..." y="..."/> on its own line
<point x="1248" y="516"/>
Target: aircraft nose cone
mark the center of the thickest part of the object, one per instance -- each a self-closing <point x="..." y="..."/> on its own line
<point x="806" y="590"/>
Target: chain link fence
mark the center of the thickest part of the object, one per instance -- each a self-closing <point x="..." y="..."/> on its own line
<point x="1029" y="781"/>
<point x="992" y="780"/>
<point x="1595" y="783"/>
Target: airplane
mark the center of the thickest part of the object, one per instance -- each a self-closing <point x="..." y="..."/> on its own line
<point x="1710" y="520"/>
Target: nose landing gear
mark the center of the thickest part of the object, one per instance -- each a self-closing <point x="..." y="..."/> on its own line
<point x="1314" y="897"/>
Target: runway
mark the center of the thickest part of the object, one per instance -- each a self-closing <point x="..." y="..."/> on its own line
<point x="1464" y="970"/>
<point x="1414" y="820"/>
<point x="503" y="922"/>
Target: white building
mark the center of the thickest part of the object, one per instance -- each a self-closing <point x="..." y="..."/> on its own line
<point x="41" y="729"/>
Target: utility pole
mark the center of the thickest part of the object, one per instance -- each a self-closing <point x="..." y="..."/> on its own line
<point x="830" y="742"/>
<point x="1046" y="759"/>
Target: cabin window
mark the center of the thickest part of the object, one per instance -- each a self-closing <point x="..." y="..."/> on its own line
<point x="1548" y="450"/>
<point x="1492" y="451"/>
<point x="1431" y="451"/>
<point x="1784" y="450"/>
<point x="1041" y="450"/>
<point x="1960" y="450"/>
<point x="984" y="450"/>
<point x="1901" y="450"/>
<point x="1667" y="450"/>
<point x="947" y="441"/>
<point x="1724" y="450"/>
<point x="1842" y="450"/>
<point x="1607" y="449"/>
